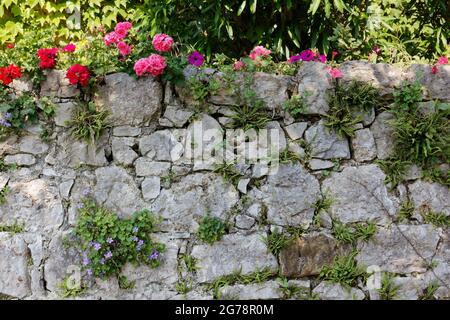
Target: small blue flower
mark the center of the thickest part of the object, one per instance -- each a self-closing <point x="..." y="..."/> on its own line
<point x="139" y="245"/>
<point x="154" y="255"/>
<point x="97" y="246"/>
<point x="86" y="261"/>
<point x="109" y="240"/>
<point x="102" y="261"/>
<point x="80" y="206"/>
<point x="135" y="239"/>
<point x="135" y="229"/>
<point x="86" y="192"/>
<point x="108" y="255"/>
<point x="89" y="272"/>
<point x="7" y="115"/>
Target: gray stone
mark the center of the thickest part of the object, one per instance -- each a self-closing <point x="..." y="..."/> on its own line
<point x="364" y="147"/>
<point x="23" y="84"/>
<point x="175" y="116"/>
<point x="14" y="278"/>
<point x="325" y="143"/>
<point x="289" y="195"/>
<point x="146" y="167"/>
<point x="122" y="150"/>
<point x="436" y="84"/>
<point x="295" y="130"/>
<point x="235" y="252"/>
<point x="318" y="164"/>
<point x="126" y="131"/>
<point x="57" y="85"/>
<point x="409" y="288"/>
<point x="64" y="189"/>
<point x="400" y="250"/>
<point x="430" y="196"/>
<point x="242" y="185"/>
<point x="117" y="191"/>
<point x="383" y="134"/>
<point x="130" y="101"/>
<point x="3" y="180"/>
<point x="314" y="83"/>
<point x="413" y="172"/>
<point x="360" y="195"/>
<point x="307" y="255"/>
<point x="151" y="187"/>
<point x="383" y="76"/>
<point x="20" y="159"/>
<point x="161" y="146"/>
<point x="64" y="112"/>
<point x="192" y="197"/>
<point x="332" y="291"/>
<point x="256" y="291"/>
<point x="244" y="222"/>
<point x="367" y="117"/>
<point x="32" y="144"/>
<point x="296" y="149"/>
<point x="35" y="203"/>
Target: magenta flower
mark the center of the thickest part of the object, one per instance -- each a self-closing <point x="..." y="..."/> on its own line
<point x="376" y="50"/>
<point x="124" y="48"/>
<point x="323" y="58"/>
<point x="434" y="69"/>
<point x="442" y="60"/>
<point x="69" y="48"/>
<point x="239" y="65"/>
<point x="307" y="55"/>
<point x="295" y="59"/>
<point x="334" y="72"/>
<point x="196" y="59"/>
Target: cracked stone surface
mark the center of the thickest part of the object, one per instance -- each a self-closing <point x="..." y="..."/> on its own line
<point x="325" y="143"/>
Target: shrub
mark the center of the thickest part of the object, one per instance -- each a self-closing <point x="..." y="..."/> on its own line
<point x="109" y="242"/>
<point x="344" y="270"/>
<point x="88" y="122"/>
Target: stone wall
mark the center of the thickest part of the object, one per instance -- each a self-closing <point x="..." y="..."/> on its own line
<point x="145" y="160"/>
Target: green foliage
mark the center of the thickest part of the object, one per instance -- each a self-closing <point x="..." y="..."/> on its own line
<point x="3" y="193"/>
<point x="109" y="242"/>
<point x="350" y="233"/>
<point x="394" y="169"/>
<point x="437" y="219"/>
<point x="291" y="291"/>
<point x="388" y="290"/>
<point x="211" y="229"/>
<point x="12" y="228"/>
<point x="276" y="241"/>
<point x="406" y="211"/>
<point x="183" y="286"/>
<point x="340" y="118"/>
<point x="344" y="270"/>
<point x="229" y="172"/>
<point x="407" y="96"/>
<point x="190" y="262"/>
<point x="70" y="289"/>
<point x="295" y="106"/>
<point x="201" y="89"/>
<point x="125" y="284"/>
<point x="88" y="122"/>
<point x="429" y="291"/>
<point x="258" y="276"/>
<point x="287" y="156"/>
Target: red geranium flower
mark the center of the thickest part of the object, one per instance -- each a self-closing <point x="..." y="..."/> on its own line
<point x="9" y="73"/>
<point x="10" y="46"/>
<point x="47" y="57"/>
<point x="78" y="74"/>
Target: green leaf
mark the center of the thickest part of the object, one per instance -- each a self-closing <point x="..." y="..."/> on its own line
<point x="253" y="6"/>
<point x="314" y="6"/>
<point x="241" y="7"/>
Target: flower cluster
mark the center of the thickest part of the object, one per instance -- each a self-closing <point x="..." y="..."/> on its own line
<point x="259" y="52"/>
<point x="47" y="57"/>
<point x="441" y="61"/>
<point x="9" y="73"/>
<point x="4" y="120"/>
<point x="162" y="42"/>
<point x="117" y="36"/>
<point x="69" y="48"/>
<point x="153" y="64"/>
<point x="308" y="55"/>
<point x="78" y="75"/>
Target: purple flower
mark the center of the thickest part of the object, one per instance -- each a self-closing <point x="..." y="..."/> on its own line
<point x="135" y="239"/>
<point x="86" y="192"/>
<point x="307" y="55"/>
<point x="109" y="240"/>
<point x="196" y="59"/>
<point x="135" y="229"/>
<point x="97" y="246"/>
<point x="108" y="255"/>
<point x="295" y="59"/>
<point x="139" y="245"/>
<point x="154" y="255"/>
<point x="86" y="261"/>
<point x="102" y="261"/>
<point x="7" y="115"/>
<point x="89" y="272"/>
<point x="4" y="123"/>
<point x="376" y="50"/>
<point x="323" y="58"/>
<point x="80" y="206"/>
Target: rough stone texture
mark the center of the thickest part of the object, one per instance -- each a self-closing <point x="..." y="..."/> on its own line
<point x="233" y="253"/>
<point x="14" y="278"/>
<point x="318" y="164"/>
<point x="175" y="116"/>
<point x="314" y="82"/>
<point x="116" y="190"/>
<point x="330" y="291"/>
<point x="146" y="167"/>
<point x="400" y="255"/>
<point x="64" y="112"/>
<point x="295" y="130"/>
<point x="122" y="150"/>
<point x="151" y="188"/>
<point x="126" y="131"/>
<point x="436" y="84"/>
<point x="382" y="76"/>
<point x="325" y="143"/>
<point x="257" y="291"/>
<point x="161" y="146"/>
<point x="130" y="101"/>
<point x="307" y="255"/>
<point x="193" y="197"/>
<point x="360" y="195"/>
<point x="244" y="222"/>
<point x="32" y="144"/>
<point x="289" y="195"/>
<point x="430" y="196"/>
<point x="383" y="134"/>
<point x="57" y="85"/>
<point x="20" y="160"/>
<point x="364" y="145"/>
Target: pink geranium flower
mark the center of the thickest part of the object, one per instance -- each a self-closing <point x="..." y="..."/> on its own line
<point x="124" y="48"/>
<point x="69" y="48"/>
<point x="154" y="65"/>
<point x="442" y="60"/>
<point x="434" y="69"/>
<point x="112" y="38"/>
<point x="162" y="42"/>
<point x="122" y="28"/>
<point x="334" y="72"/>
<point x="259" y="51"/>
<point x="239" y="65"/>
<point x="323" y="58"/>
